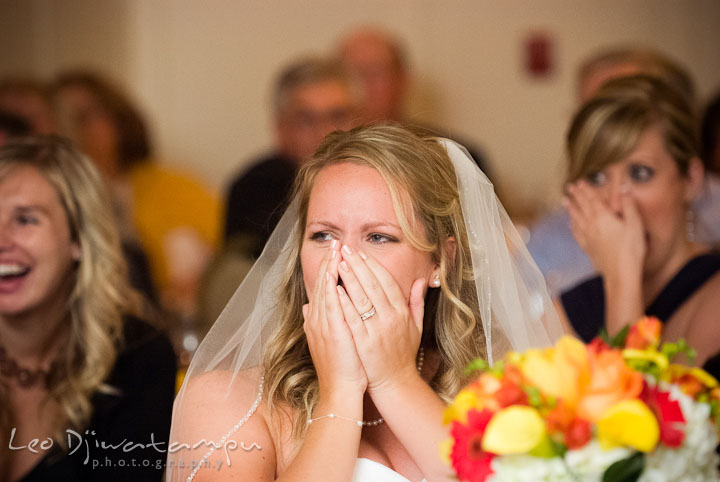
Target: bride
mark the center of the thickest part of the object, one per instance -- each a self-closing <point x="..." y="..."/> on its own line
<point x="392" y="269"/>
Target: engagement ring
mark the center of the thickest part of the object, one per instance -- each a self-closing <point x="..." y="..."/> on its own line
<point x="368" y="314"/>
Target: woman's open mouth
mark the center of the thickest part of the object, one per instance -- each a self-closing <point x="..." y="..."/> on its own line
<point x="11" y="275"/>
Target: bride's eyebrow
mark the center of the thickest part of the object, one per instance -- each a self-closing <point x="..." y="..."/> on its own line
<point x="379" y="224"/>
<point x="368" y="226"/>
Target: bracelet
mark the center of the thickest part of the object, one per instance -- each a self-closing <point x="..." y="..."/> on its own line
<point x="359" y="423"/>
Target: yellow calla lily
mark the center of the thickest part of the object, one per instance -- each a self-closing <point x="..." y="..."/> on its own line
<point x="515" y="430"/>
<point x="707" y="379"/>
<point x="650" y="355"/>
<point x="629" y="423"/>
<point x="675" y="371"/>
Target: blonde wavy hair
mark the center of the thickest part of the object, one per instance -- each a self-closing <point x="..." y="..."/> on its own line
<point x="607" y="128"/>
<point x="423" y="187"/>
<point x="101" y="293"/>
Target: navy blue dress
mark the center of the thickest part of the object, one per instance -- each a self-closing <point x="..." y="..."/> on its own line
<point x="585" y="304"/>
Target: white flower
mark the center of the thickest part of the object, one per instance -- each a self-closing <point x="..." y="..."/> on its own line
<point x="590" y="462"/>
<point x="523" y="468"/>
<point x="695" y="460"/>
<point x="587" y="464"/>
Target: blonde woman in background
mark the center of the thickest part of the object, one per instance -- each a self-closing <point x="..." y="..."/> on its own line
<point x="77" y="364"/>
<point x="634" y="170"/>
<point x="392" y="268"/>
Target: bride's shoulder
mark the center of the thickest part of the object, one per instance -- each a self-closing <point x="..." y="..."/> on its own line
<point x="221" y="423"/>
<point x="224" y="389"/>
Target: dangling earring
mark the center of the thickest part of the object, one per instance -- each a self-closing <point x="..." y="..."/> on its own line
<point x="436" y="281"/>
<point x="690" y="225"/>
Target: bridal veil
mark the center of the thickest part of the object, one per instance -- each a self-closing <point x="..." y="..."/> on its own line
<point x="514" y="304"/>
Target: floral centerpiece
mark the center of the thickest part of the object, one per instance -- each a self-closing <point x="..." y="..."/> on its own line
<point x="612" y="410"/>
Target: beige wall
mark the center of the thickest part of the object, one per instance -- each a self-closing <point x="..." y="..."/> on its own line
<point x="201" y="69"/>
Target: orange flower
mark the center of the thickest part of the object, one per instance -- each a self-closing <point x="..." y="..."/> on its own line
<point x="479" y="395"/>
<point x="611" y="381"/>
<point x="575" y="431"/>
<point x="691" y="380"/>
<point x="559" y="418"/>
<point x="510" y="391"/>
<point x="559" y="372"/>
<point x="643" y="334"/>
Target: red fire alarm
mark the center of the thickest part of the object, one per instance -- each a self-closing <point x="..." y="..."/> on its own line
<point x="538" y="55"/>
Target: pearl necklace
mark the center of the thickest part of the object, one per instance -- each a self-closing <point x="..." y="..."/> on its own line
<point x="420" y="361"/>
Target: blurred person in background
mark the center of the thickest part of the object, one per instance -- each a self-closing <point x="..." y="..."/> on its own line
<point x="12" y="126"/>
<point x="710" y="135"/>
<point x="311" y="97"/>
<point x="709" y="201"/>
<point x="561" y="260"/>
<point x="78" y="364"/>
<point x="171" y="215"/>
<point x="633" y="173"/>
<point x="381" y="63"/>
<point x="30" y="100"/>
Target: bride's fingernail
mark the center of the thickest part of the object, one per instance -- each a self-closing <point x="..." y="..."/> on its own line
<point x="333" y="244"/>
<point x="334" y="254"/>
<point x="347" y="249"/>
<point x="362" y="254"/>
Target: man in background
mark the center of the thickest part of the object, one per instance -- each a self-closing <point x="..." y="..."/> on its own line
<point x="381" y="64"/>
<point x="312" y="98"/>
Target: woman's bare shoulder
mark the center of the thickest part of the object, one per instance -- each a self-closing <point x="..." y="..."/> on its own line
<point x="220" y="424"/>
<point x="709" y="296"/>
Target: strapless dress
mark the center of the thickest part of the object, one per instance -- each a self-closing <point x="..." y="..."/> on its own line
<point x="367" y="470"/>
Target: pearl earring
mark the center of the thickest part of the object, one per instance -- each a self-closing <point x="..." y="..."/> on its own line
<point x="436" y="281"/>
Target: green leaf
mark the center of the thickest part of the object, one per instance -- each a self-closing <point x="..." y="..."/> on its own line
<point x="618" y="341"/>
<point x="534" y="396"/>
<point x="604" y="335"/>
<point x="498" y="369"/>
<point x="477" y="364"/>
<point x="625" y="470"/>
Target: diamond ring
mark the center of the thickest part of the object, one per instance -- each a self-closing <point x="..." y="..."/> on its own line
<point x="368" y="314"/>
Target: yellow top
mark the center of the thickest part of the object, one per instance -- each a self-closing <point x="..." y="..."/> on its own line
<point x="165" y="201"/>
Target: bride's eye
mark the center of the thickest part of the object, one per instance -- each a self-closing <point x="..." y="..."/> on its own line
<point x="321" y="236"/>
<point x="376" y="238"/>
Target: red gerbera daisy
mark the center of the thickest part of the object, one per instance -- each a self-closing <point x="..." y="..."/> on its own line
<point x="470" y="461"/>
<point x="668" y="412"/>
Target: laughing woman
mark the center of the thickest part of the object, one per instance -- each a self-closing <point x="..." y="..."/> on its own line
<point x="77" y="365"/>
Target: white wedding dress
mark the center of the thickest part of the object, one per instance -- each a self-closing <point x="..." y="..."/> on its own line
<point x="367" y="470"/>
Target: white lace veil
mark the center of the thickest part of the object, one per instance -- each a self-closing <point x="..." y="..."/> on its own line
<point x="516" y="310"/>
